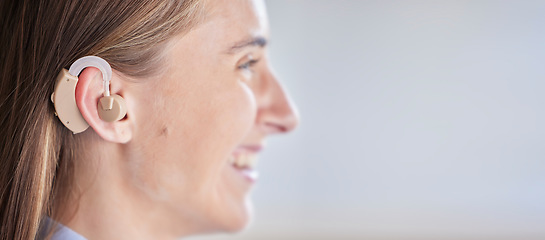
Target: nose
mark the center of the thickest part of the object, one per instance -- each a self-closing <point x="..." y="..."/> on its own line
<point x="276" y="112"/>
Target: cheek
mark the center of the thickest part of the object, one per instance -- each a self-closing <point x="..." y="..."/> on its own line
<point x="190" y="133"/>
<point x="218" y="126"/>
<point x="187" y="127"/>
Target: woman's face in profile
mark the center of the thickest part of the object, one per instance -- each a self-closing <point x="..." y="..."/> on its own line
<point x="201" y="124"/>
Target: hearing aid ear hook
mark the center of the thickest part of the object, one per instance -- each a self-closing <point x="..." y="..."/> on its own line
<point x="111" y="108"/>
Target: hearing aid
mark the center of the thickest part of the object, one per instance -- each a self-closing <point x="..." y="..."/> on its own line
<point x="111" y="107"/>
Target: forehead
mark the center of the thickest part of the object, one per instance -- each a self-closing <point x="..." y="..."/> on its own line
<point x="224" y="23"/>
<point x="242" y="16"/>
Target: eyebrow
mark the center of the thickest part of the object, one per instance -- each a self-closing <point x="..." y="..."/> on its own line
<point x="254" y="41"/>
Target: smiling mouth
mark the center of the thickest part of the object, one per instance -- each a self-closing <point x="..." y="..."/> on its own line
<point x="245" y="162"/>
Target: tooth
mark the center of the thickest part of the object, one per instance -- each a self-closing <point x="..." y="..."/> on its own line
<point x="252" y="160"/>
<point x="249" y="160"/>
<point x="244" y="159"/>
<point x="239" y="161"/>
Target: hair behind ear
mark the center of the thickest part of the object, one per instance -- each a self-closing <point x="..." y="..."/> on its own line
<point x="37" y="39"/>
<point x="32" y="142"/>
<point x="34" y="173"/>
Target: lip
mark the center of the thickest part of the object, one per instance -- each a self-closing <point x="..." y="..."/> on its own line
<point x="254" y="149"/>
<point x="250" y="174"/>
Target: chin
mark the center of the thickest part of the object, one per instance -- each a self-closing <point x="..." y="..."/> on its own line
<point x="240" y="219"/>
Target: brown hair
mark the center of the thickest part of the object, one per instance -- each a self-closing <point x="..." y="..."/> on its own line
<point x="38" y="39"/>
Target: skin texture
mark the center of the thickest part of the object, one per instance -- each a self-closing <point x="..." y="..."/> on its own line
<point x="163" y="171"/>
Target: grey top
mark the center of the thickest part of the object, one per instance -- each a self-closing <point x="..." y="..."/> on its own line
<point x="61" y="232"/>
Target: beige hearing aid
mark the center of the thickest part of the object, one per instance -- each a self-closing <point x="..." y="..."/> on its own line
<point x="111" y="108"/>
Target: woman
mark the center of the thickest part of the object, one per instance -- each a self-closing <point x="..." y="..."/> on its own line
<point x="200" y="99"/>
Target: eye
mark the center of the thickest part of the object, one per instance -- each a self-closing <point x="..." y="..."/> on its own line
<point x="248" y="64"/>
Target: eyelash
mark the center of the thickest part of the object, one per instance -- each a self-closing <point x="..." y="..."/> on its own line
<point x="247" y="65"/>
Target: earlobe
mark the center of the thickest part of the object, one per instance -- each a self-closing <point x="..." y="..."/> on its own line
<point x="105" y="121"/>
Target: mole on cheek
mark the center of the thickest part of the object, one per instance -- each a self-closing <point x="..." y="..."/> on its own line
<point x="164" y="131"/>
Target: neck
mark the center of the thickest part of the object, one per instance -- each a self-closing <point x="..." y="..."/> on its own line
<point x="107" y="205"/>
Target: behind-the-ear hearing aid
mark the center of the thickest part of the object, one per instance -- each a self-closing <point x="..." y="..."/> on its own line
<point x="111" y="108"/>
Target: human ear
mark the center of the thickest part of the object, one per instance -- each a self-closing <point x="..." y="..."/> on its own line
<point x="89" y="92"/>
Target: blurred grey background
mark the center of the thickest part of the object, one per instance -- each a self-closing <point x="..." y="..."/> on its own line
<point x="420" y="120"/>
